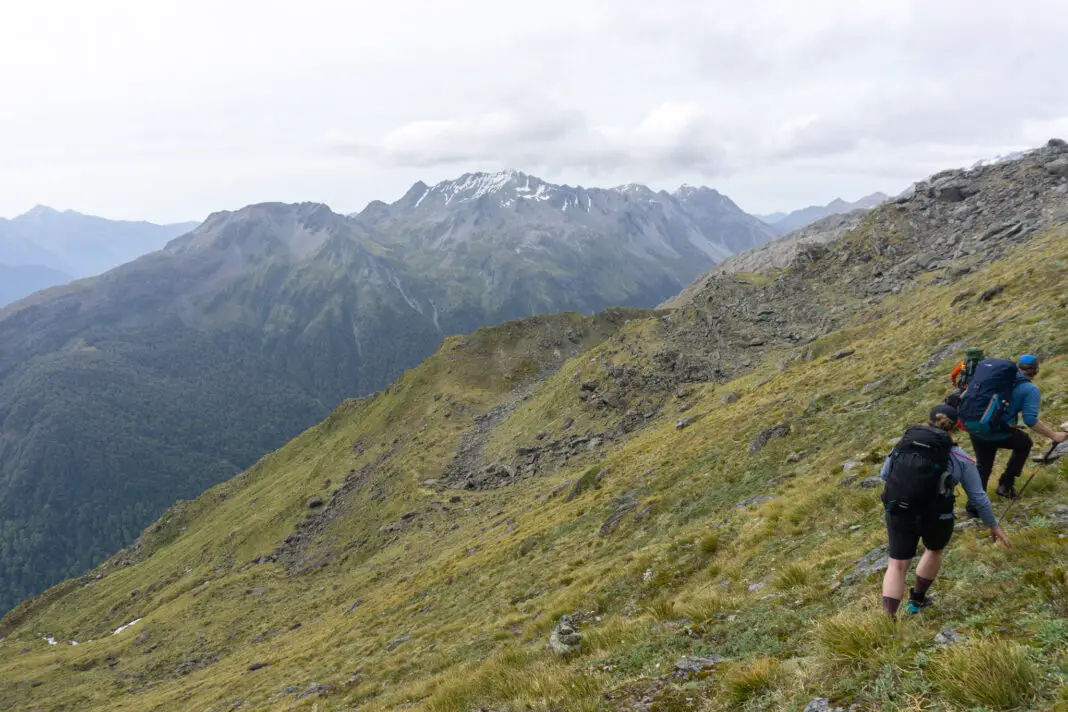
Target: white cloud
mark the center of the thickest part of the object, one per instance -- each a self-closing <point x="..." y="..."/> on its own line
<point x="171" y="109"/>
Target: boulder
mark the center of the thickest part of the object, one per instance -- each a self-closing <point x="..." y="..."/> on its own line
<point x="991" y="292"/>
<point x="841" y="354"/>
<point x="870" y="482"/>
<point x="822" y="704"/>
<point x="398" y="641"/>
<point x="767" y="435"/>
<point x="949" y="636"/>
<point x="1058" y="167"/>
<point x="690" y="668"/>
<point x="565" y="638"/>
<point x="951" y="189"/>
<point x="315" y="502"/>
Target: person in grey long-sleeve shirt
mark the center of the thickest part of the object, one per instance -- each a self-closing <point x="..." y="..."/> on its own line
<point x="965" y="473"/>
<point x="908" y="522"/>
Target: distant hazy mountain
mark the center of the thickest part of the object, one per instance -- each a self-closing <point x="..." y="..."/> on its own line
<point x="770" y="218"/>
<point x="18" y="281"/>
<point x="787" y="223"/>
<point x="122" y="392"/>
<point x="79" y="245"/>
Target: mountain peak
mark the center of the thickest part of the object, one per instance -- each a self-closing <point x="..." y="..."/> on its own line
<point x="38" y="211"/>
<point x="686" y="191"/>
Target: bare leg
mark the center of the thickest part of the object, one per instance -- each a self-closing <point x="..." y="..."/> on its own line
<point x="930" y="563"/>
<point x="894" y="584"/>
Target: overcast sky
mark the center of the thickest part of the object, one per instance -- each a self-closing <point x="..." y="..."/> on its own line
<point x="168" y="110"/>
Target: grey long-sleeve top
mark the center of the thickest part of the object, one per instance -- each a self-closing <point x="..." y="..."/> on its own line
<point x="964" y="472"/>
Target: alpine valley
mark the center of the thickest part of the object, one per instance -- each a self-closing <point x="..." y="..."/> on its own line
<point x="123" y="392"/>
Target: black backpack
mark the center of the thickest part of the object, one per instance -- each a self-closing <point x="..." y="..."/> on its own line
<point x="984" y="405"/>
<point x="919" y="481"/>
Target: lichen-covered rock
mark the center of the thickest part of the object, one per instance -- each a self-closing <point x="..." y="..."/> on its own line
<point x="690" y="668"/>
<point x="565" y="638"/>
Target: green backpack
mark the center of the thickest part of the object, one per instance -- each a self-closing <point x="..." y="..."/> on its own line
<point x="972" y="356"/>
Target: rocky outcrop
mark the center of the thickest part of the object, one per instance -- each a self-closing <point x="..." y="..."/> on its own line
<point x="942" y="227"/>
<point x="781" y="253"/>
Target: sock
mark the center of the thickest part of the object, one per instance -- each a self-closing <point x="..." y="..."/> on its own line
<point x="920" y="591"/>
<point x="890" y="605"/>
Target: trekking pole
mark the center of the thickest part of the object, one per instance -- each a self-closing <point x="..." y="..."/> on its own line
<point x="1043" y="461"/>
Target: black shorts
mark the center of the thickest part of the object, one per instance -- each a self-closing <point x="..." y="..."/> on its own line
<point x="905" y="534"/>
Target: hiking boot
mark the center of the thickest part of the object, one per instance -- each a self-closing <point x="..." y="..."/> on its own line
<point x="915" y="606"/>
<point x="1009" y="492"/>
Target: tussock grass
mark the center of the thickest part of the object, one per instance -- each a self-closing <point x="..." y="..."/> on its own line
<point x="522" y="679"/>
<point x="990" y="673"/>
<point x="793" y="576"/>
<point x="614" y="633"/>
<point x="709" y="544"/>
<point x="1053" y="586"/>
<point x="663" y="608"/>
<point x="855" y="639"/>
<point x="707" y="606"/>
<point x="752" y="679"/>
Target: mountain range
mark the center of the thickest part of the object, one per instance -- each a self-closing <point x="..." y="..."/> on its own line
<point x="122" y="392"/>
<point x="785" y="223"/>
<point x="45" y="247"/>
<point x="670" y="509"/>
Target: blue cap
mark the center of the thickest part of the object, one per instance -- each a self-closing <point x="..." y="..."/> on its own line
<point x="1028" y="360"/>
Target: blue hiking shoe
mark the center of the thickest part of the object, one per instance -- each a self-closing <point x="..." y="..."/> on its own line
<point x="915" y="606"/>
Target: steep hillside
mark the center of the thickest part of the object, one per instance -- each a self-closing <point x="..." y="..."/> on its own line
<point x="121" y="393"/>
<point x="687" y="484"/>
<point x="77" y="244"/>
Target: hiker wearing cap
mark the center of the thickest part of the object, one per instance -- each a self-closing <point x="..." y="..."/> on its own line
<point x="921" y="474"/>
<point x="1001" y="394"/>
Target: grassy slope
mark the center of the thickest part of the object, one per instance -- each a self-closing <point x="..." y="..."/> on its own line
<point x="479" y="584"/>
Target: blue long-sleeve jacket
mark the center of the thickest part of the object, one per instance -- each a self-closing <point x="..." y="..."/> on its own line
<point x="1025" y="402"/>
<point x="964" y="472"/>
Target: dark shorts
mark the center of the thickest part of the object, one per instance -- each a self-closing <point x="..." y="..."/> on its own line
<point x="906" y="534"/>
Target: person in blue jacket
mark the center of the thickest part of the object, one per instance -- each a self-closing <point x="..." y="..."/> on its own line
<point x="905" y="530"/>
<point x="1025" y="402"/>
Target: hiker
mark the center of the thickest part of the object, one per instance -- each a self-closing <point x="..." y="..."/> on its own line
<point x="1001" y="393"/>
<point x="921" y="474"/>
<point x="962" y="374"/>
